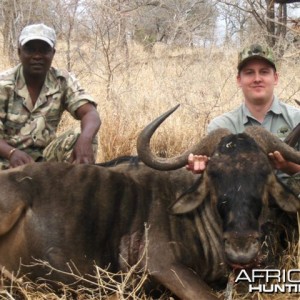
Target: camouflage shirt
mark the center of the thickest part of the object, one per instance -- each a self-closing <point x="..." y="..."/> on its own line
<point x="23" y="125"/>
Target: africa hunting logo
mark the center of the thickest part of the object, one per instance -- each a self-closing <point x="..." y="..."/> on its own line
<point x="271" y="280"/>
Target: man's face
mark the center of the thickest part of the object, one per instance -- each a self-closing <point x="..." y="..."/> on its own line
<point x="36" y="57"/>
<point x="257" y="80"/>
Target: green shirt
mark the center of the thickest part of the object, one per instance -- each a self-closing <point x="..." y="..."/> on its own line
<point x="25" y="126"/>
<point x="280" y="119"/>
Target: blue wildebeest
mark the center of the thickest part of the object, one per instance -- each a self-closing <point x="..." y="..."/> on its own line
<point x="90" y="215"/>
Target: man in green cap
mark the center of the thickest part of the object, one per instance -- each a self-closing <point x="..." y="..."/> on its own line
<point x="33" y="96"/>
<point x="257" y="77"/>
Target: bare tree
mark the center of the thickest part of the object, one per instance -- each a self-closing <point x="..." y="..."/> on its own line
<point x="66" y="21"/>
<point x="104" y="25"/>
<point x="286" y="1"/>
<point x="236" y="21"/>
<point x="15" y="14"/>
<point x="175" y="21"/>
<point x="271" y="17"/>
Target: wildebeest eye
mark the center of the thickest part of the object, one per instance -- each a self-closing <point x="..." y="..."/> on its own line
<point x="222" y="204"/>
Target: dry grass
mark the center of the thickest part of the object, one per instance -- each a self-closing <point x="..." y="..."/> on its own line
<point x="101" y="285"/>
<point x="201" y="80"/>
<point x="122" y="286"/>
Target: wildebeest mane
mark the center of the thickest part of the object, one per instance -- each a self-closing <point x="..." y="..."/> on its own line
<point x="192" y="188"/>
<point x="130" y="159"/>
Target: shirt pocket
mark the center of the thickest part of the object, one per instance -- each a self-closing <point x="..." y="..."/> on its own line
<point x="52" y="110"/>
<point x="52" y="119"/>
<point x="13" y="127"/>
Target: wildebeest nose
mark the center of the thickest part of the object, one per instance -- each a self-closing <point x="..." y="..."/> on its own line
<point x="241" y="250"/>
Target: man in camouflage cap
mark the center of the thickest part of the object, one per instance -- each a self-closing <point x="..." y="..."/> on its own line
<point x="33" y="96"/>
<point x="257" y="77"/>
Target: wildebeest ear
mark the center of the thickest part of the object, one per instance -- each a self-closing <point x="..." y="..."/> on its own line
<point x="286" y="198"/>
<point x="10" y="211"/>
<point x="192" y="199"/>
<point x="11" y="201"/>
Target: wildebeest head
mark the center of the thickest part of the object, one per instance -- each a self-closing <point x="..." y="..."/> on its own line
<point x="239" y="180"/>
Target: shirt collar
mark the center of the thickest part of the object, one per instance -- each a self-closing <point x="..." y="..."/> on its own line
<point x="49" y="88"/>
<point x="275" y="108"/>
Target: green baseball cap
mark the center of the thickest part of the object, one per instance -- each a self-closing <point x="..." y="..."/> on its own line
<point x="256" y="51"/>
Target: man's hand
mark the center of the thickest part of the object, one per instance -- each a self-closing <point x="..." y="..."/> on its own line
<point x="19" y="158"/>
<point x="83" y="151"/>
<point x="197" y="163"/>
<point x="280" y="163"/>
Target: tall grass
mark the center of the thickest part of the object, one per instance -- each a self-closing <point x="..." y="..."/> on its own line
<point x="203" y="81"/>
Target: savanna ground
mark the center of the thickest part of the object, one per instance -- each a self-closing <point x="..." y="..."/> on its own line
<point x="202" y="80"/>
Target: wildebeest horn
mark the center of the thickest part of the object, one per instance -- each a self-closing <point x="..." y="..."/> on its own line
<point x="294" y="137"/>
<point x="205" y="147"/>
<point x="270" y="143"/>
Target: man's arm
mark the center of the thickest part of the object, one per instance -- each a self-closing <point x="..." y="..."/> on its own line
<point x="90" y="124"/>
